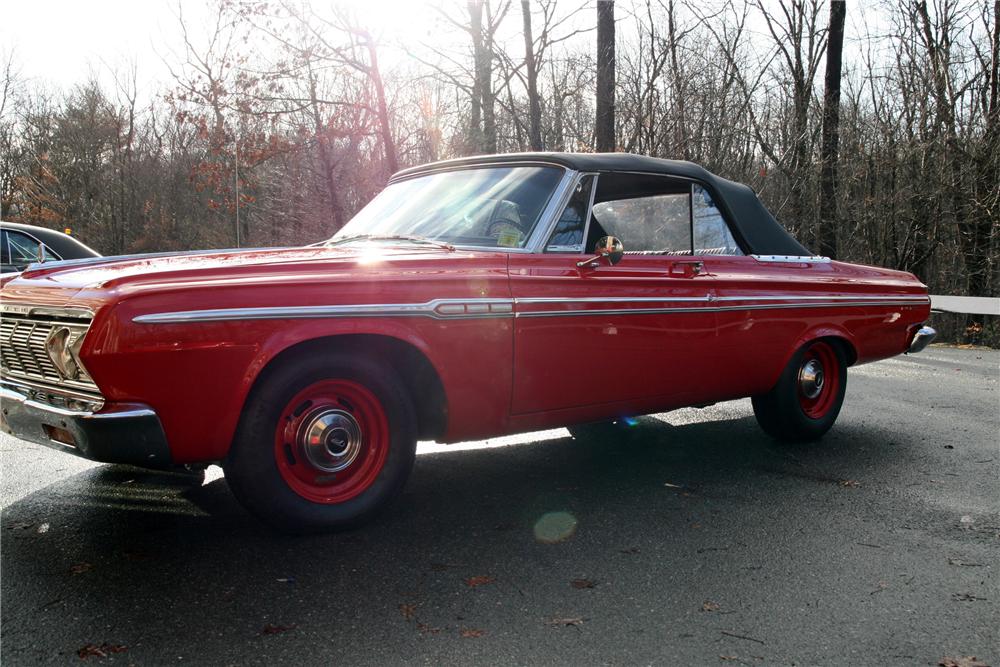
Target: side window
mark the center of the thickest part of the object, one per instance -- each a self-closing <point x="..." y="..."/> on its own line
<point x="649" y="214"/>
<point x="4" y="248"/>
<point x="571" y="226"/>
<point x="711" y="233"/>
<point x="24" y="249"/>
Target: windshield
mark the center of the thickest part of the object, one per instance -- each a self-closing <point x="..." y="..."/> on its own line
<point x="496" y="207"/>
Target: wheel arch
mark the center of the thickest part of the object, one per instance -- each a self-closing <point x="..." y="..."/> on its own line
<point x="421" y="379"/>
<point x="839" y="337"/>
<point x="842" y="339"/>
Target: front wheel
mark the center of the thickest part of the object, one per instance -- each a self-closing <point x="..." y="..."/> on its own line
<point x="805" y="402"/>
<point x="323" y="444"/>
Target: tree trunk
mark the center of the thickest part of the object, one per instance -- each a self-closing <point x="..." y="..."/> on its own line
<point x="329" y="165"/>
<point x="605" y="119"/>
<point x="681" y="146"/>
<point x="531" y="67"/>
<point x="475" y="137"/>
<point x="385" y="129"/>
<point x="831" y="131"/>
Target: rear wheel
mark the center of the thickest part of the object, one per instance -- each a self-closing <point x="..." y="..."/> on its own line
<point x="323" y="444"/>
<point x="806" y="400"/>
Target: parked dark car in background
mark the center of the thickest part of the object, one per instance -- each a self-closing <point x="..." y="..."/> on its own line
<point x="19" y="246"/>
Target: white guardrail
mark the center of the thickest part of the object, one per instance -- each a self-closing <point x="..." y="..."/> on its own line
<point x="965" y="305"/>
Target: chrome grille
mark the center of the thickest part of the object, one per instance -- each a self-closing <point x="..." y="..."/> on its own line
<point x="23" y="355"/>
<point x="23" y="349"/>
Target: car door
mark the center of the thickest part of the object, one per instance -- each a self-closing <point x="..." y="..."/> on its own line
<point x="635" y="334"/>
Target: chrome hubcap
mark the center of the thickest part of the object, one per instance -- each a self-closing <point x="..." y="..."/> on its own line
<point x="811" y="378"/>
<point x="330" y="439"/>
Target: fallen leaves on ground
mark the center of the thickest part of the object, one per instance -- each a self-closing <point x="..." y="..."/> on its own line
<point x="630" y="551"/>
<point x="470" y="633"/>
<point x="708" y="605"/>
<point x="849" y="483"/>
<point x="739" y="636"/>
<point x="408" y="610"/>
<point x="963" y="563"/>
<point x="966" y="597"/>
<point x="426" y="629"/>
<point x="562" y="622"/>
<point x="968" y="661"/>
<point x="582" y="583"/>
<point x="99" y="651"/>
<point x="270" y="629"/>
<point x="80" y="568"/>
<point x="480" y="580"/>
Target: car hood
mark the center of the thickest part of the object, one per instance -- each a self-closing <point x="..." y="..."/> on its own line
<point x="82" y="281"/>
<point x="111" y="272"/>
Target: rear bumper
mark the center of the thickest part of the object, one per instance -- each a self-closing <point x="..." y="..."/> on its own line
<point x="921" y="339"/>
<point x="125" y="433"/>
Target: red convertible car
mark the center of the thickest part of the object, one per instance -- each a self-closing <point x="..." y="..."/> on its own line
<point x="470" y="298"/>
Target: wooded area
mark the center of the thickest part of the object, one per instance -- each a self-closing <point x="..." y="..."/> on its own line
<point x="288" y="118"/>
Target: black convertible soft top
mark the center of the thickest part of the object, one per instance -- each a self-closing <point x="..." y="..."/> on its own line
<point x="760" y="233"/>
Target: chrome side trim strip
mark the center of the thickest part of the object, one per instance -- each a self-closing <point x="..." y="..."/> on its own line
<point x="489" y="308"/>
<point x="706" y="309"/>
<point x="916" y="298"/>
<point x="612" y="299"/>
<point x="437" y="308"/>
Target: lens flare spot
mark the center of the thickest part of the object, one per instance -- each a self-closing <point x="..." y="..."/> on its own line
<point x="555" y="527"/>
<point x="630" y="421"/>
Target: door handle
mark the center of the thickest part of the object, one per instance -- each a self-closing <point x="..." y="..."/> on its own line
<point x="688" y="269"/>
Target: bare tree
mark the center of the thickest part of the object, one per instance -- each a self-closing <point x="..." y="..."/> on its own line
<point x="531" y="70"/>
<point x="605" y="117"/>
<point x="831" y="130"/>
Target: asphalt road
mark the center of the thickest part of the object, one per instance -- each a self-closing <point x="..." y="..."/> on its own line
<point x="693" y="539"/>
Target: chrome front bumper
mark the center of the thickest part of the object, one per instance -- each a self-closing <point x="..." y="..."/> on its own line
<point x="921" y="339"/>
<point x="124" y="433"/>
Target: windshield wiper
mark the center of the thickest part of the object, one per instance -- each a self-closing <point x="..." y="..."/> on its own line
<point x="391" y="237"/>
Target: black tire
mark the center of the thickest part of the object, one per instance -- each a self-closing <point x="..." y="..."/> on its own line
<point x="788" y="412"/>
<point x="279" y="481"/>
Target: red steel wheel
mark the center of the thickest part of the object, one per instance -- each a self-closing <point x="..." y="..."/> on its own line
<point x="331" y="441"/>
<point x="806" y="400"/>
<point x="325" y="442"/>
<point x="818" y="380"/>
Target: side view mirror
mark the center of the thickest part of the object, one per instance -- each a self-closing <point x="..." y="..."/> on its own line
<point x="609" y="248"/>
